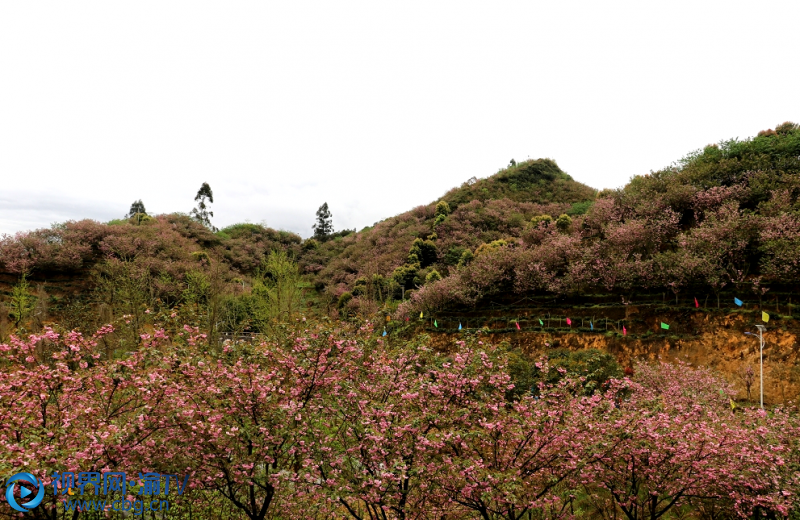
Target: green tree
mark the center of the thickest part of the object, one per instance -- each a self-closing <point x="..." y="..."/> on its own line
<point x="324" y="226"/>
<point x="277" y="290"/>
<point x="201" y="212"/>
<point x="22" y="303"/>
<point x="137" y="210"/>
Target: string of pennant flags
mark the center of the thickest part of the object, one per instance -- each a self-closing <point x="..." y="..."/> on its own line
<point x="664" y="326"/>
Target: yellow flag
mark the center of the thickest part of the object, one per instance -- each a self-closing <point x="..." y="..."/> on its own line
<point x="420" y="315"/>
<point x="388" y="318"/>
<point x="764" y="317"/>
<point x="733" y="405"/>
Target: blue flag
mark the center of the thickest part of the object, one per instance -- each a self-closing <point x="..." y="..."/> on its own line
<point x="384" y="331"/>
<point x="737" y="301"/>
<point x="591" y="325"/>
<point x="459" y="325"/>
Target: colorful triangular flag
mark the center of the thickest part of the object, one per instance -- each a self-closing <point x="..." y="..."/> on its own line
<point x="435" y="324"/>
<point x="664" y="326"/>
<point x="517" y="324"/>
<point x="764" y="317"/>
<point x="624" y="331"/>
<point x="733" y="405"/>
<point x="738" y="302"/>
<point x="459" y="325"/>
<point x="384" y="331"/>
<point x="696" y="303"/>
<point x="569" y="322"/>
<point x="420" y="315"/>
<point x="591" y="325"/>
<point x="541" y="322"/>
<point x="388" y="318"/>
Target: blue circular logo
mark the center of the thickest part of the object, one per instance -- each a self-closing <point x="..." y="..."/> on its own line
<point x="31" y="481"/>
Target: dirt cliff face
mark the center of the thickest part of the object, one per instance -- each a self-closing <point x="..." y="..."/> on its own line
<point x="710" y="339"/>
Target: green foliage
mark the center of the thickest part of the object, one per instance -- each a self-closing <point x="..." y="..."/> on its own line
<point x="405" y="274"/>
<point x="442" y="208"/>
<point x="200" y="256"/>
<point x="310" y="245"/>
<point x="201" y="213"/>
<point x="595" y="367"/>
<point x="466" y="258"/>
<point x="323" y="228"/>
<point x="580" y="208"/>
<point x="564" y="223"/>
<point x="433" y="276"/>
<point x="278" y="290"/>
<point x="422" y="251"/>
<point x="439" y="220"/>
<point x="22" y="303"/>
<point x="538" y="219"/>
<point x="344" y="299"/>
<point x="453" y="255"/>
<point x="491" y="246"/>
<point x="137" y="210"/>
<point x="197" y="289"/>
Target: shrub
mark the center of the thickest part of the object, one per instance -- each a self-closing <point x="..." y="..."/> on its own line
<point x="200" y="256"/>
<point x="423" y="251"/>
<point x="564" y="223"/>
<point x="491" y="246"/>
<point x="535" y="221"/>
<point x="404" y="275"/>
<point x="433" y="276"/>
<point x="442" y="209"/>
<point x="344" y="299"/>
<point x="453" y="255"/>
<point x="466" y="258"/>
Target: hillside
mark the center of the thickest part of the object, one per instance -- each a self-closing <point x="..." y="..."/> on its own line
<point x="480" y="211"/>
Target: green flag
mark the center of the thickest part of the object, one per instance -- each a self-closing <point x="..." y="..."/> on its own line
<point x="435" y="324"/>
<point x="541" y="322"/>
<point x="664" y="325"/>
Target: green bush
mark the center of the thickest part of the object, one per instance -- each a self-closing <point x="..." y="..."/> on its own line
<point x="466" y="258"/>
<point x="538" y="219"/>
<point x="405" y="274"/>
<point x="433" y="276"/>
<point x="564" y="223"/>
<point x="595" y="366"/>
<point x="442" y="208"/>
<point x="580" y="208"/>
<point x="491" y="246"/>
<point x="453" y="255"/>
<point x="344" y="299"/>
<point x="422" y="251"/>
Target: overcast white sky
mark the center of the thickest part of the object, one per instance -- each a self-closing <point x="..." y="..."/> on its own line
<point x="374" y="107"/>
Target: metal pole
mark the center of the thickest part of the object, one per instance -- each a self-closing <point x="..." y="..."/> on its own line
<point x="761" y="361"/>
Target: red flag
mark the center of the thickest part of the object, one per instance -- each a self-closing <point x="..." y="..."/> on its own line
<point x="695" y="303"/>
<point x="624" y="331"/>
<point x="517" y="323"/>
<point x="569" y="322"/>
